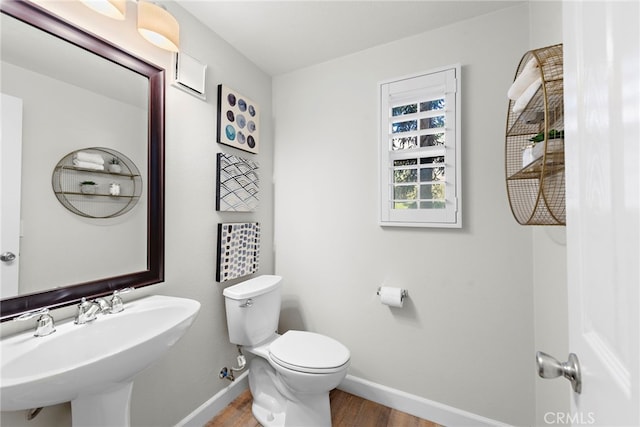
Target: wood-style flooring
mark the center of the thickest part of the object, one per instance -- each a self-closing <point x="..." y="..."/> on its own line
<point x="347" y="410"/>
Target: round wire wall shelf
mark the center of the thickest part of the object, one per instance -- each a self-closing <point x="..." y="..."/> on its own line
<point x="97" y="182"/>
<point x="534" y="147"/>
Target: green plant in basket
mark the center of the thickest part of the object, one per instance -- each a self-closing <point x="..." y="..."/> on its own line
<point x="553" y="134"/>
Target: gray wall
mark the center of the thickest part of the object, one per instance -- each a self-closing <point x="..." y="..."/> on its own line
<point x="465" y="336"/>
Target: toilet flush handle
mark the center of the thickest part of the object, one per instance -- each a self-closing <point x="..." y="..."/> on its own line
<point x="248" y="303"/>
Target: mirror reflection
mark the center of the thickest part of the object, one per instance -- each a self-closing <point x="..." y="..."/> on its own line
<point x="60" y="98"/>
<point x="81" y="101"/>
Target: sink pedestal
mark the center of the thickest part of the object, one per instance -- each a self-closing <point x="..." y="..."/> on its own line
<point x="108" y="408"/>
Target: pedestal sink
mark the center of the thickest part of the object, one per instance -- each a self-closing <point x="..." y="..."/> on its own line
<point x="92" y="365"/>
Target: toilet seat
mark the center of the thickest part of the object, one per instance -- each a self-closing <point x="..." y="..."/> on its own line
<point x="309" y="352"/>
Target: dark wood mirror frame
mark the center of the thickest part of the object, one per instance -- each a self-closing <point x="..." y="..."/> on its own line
<point x="60" y="297"/>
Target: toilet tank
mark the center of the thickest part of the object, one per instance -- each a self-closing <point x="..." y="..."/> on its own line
<point x="253" y="309"/>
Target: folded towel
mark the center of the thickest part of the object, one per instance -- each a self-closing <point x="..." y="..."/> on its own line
<point x="83" y="156"/>
<point x="526" y="96"/>
<point x="532" y="63"/>
<point x="88" y="165"/>
<point x="529" y="74"/>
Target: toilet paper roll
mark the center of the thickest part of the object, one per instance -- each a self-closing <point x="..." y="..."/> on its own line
<point x="391" y="296"/>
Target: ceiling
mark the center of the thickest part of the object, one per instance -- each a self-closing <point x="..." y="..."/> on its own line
<point x="281" y="36"/>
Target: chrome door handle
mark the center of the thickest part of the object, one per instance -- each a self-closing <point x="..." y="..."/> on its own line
<point x="550" y="367"/>
<point x="7" y="256"/>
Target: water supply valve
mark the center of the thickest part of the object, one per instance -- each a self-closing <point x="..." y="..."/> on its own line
<point x="242" y="362"/>
<point x="224" y="373"/>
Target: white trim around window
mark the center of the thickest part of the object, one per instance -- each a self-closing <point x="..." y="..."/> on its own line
<point x="419" y="146"/>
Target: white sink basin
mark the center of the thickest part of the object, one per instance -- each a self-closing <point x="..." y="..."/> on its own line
<point x="92" y="364"/>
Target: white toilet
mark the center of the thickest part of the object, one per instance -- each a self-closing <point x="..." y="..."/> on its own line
<point x="291" y="378"/>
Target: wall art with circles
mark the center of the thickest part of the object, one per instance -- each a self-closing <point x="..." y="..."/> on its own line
<point x="238" y="250"/>
<point x="238" y="120"/>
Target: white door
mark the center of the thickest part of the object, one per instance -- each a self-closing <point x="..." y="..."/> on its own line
<point x="10" y="173"/>
<point x="602" y="121"/>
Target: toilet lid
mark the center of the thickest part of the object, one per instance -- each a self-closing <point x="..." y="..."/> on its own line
<point x="308" y="352"/>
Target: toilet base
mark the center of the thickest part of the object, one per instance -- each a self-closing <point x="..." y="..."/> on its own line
<point x="274" y="405"/>
<point x="267" y="418"/>
<point x="296" y="414"/>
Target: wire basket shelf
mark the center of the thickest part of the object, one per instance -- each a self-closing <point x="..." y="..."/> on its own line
<point x="534" y="145"/>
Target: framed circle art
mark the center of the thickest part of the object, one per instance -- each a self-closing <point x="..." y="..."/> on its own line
<point x="238" y="120"/>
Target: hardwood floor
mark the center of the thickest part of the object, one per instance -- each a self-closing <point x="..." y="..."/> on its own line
<point x="236" y="414"/>
<point x="347" y="410"/>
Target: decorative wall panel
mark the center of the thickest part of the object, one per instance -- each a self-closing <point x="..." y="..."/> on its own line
<point x="238" y="250"/>
<point x="238" y="184"/>
<point x="238" y="120"/>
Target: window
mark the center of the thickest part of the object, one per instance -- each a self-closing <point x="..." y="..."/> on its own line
<point x="420" y="150"/>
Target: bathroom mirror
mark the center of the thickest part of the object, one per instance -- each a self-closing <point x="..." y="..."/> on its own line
<point x="149" y="265"/>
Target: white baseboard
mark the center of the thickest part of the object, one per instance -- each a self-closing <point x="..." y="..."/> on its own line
<point x="219" y="401"/>
<point x="387" y="396"/>
<point x="415" y="405"/>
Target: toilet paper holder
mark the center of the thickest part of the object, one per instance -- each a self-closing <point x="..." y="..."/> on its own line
<point x="403" y="293"/>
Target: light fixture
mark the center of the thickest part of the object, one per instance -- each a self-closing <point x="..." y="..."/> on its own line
<point x="158" y="26"/>
<point x="155" y="24"/>
<point x="111" y="8"/>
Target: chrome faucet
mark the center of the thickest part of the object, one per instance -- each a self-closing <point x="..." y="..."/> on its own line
<point x="87" y="312"/>
<point x="44" y="324"/>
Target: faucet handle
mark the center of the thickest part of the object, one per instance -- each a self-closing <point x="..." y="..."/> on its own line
<point x="44" y="324"/>
<point x="123" y="291"/>
<point x="31" y="314"/>
<point x="117" y="305"/>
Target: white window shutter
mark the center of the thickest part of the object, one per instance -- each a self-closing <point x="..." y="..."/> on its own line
<point x="420" y="150"/>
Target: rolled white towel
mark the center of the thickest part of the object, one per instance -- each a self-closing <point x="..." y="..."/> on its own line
<point x="83" y="156"/>
<point x="87" y="165"/>
<point x="529" y="74"/>
<point x="526" y="96"/>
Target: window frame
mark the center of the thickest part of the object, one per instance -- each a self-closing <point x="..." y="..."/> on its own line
<point x="417" y="88"/>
